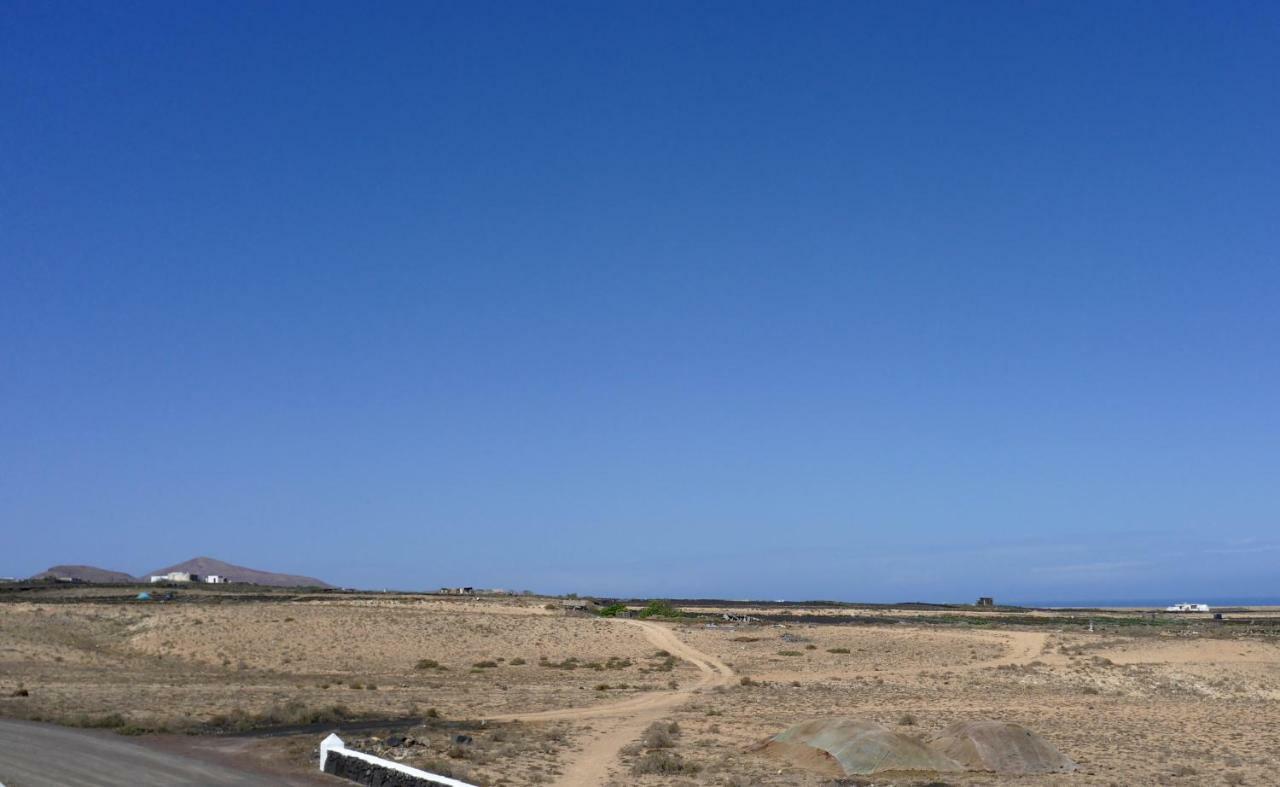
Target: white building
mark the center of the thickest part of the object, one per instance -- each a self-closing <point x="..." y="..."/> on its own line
<point x="214" y="579"/>
<point x="176" y="576"/>
<point x="1185" y="607"/>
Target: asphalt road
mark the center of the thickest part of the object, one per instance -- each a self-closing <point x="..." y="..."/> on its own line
<point x="43" y="755"/>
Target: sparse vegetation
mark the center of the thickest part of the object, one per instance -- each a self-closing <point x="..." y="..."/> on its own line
<point x="168" y="672"/>
<point x="663" y="763"/>
<point x="659" y="609"/>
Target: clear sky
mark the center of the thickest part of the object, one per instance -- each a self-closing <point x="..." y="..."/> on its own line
<point x="876" y="301"/>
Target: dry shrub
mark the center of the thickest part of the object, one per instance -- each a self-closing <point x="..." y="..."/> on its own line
<point x="660" y="735"/>
<point x="287" y="715"/>
<point x="663" y="763"/>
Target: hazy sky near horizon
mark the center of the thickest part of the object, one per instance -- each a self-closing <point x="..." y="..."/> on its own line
<point x="876" y="301"/>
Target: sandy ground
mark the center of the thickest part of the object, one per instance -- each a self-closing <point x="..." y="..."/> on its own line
<point x="550" y="699"/>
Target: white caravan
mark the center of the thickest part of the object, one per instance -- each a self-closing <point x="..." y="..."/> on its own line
<point x="1185" y="607"/>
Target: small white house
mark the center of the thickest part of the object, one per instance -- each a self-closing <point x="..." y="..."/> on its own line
<point x="215" y="579"/>
<point x="1185" y="607"/>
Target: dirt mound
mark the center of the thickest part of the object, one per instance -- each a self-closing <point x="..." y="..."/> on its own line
<point x="1000" y="746"/>
<point x="848" y="747"/>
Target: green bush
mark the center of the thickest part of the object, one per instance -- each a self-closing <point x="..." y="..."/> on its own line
<point x="612" y="611"/>
<point x="660" y="609"/>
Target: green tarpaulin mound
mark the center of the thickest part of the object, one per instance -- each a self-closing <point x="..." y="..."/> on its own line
<point x="848" y="747"/>
<point x="1000" y="746"/>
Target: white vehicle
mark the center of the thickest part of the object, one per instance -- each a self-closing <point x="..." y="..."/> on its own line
<point x="1185" y="607"/>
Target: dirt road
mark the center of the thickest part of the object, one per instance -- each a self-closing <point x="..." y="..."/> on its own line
<point x="620" y="723"/>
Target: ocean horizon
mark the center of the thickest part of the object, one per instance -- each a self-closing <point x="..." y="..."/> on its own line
<point x="1224" y="601"/>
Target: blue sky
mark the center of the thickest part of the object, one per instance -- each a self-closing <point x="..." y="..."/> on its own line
<point x="875" y="301"/>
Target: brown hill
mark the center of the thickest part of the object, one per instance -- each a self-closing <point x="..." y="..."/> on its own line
<point x="85" y="574"/>
<point x="204" y="566"/>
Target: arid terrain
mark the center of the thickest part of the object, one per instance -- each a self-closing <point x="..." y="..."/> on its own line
<point x="545" y="697"/>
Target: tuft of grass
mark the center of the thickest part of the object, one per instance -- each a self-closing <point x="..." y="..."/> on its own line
<point x="838" y="650"/>
<point x="907" y="720"/>
<point x="790" y="653"/>
<point x="517" y="661"/>
<point x="485" y="665"/>
<point x="430" y="664"/>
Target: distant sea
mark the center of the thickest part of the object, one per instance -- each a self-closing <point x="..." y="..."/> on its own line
<point x="1227" y="601"/>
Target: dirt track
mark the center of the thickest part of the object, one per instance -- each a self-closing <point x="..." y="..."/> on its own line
<point x="622" y="722"/>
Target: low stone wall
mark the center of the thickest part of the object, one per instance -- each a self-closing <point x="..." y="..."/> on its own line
<point x="366" y="769"/>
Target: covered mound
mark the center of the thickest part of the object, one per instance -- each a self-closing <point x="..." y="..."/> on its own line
<point x="847" y="747"/>
<point x="1000" y="746"/>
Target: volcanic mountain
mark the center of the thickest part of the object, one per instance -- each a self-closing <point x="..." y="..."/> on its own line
<point x="86" y="574"/>
<point x="204" y="566"/>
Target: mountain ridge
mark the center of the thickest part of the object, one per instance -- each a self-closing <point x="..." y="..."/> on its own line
<point x="86" y="574"/>
<point x="205" y="566"/>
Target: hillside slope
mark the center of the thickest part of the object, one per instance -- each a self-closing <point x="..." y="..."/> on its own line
<point x="204" y="566"/>
<point x="86" y="574"/>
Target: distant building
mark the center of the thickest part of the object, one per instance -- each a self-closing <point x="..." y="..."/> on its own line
<point x="986" y="601"/>
<point x="1185" y="607"/>
<point x="214" y="579"/>
<point x="176" y="576"/>
<point x="464" y="591"/>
